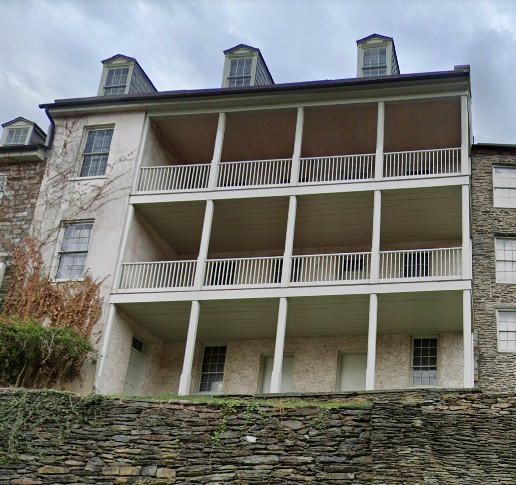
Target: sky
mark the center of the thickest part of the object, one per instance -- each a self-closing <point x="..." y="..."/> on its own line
<point x="51" y="49"/>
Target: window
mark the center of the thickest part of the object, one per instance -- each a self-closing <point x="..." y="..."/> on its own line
<point x="424" y="362"/>
<point x="506" y="260"/>
<point x="3" y="180"/>
<point x="212" y="371"/>
<point x="375" y="62"/>
<point x="416" y="264"/>
<point x="96" y="152"/>
<point x="240" y="72"/>
<point x="504" y="187"/>
<point x="75" y="240"/>
<point x="16" y="136"/>
<point x="116" y="81"/>
<point x="506" y="331"/>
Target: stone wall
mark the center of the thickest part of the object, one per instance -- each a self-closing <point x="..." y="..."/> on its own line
<point x="415" y="437"/>
<point x="496" y="370"/>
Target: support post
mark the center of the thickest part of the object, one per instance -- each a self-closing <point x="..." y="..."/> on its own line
<point x="203" y="248"/>
<point x="217" y="152"/>
<point x="466" y="237"/>
<point x="100" y="386"/>
<point x="464" y="135"/>
<point x="380" y="130"/>
<point x="375" y="244"/>
<point x="467" y="337"/>
<point x="289" y="240"/>
<point x="371" y="342"/>
<point x="186" y="374"/>
<point x="279" y="346"/>
<point x="298" y="141"/>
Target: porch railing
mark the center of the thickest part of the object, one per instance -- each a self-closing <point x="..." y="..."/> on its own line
<point x="174" y="178"/>
<point x="256" y="173"/>
<point x="244" y="271"/>
<point x="421" y="263"/>
<point x="336" y="168"/>
<point x="415" y="163"/>
<point x="162" y="274"/>
<point x="330" y="268"/>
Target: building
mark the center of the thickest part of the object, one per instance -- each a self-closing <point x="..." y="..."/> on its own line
<point x="261" y="237"/>
<point x="22" y="157"/>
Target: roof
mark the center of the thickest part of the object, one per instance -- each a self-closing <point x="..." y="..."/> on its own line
<point x="132" y="59"/>
<point x="241" y="46"/>
<point x="25" y="120"/>
<point x="375" y="35"/>
<point x="495" y="146"/>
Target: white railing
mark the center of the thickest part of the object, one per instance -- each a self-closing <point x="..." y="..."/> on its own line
<point x="162" y="274"/>
<point x="244" y="271"/>
<point x="330" y="268"/>
<point x="173" y="178"/>
<point x="256" y="173"/>
<point x="421" y="162"/>
<point x="421" y="263"/>
<point x="336" y="169"/>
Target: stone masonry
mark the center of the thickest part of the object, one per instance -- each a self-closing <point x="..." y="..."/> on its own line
<point x="495" y="370"/>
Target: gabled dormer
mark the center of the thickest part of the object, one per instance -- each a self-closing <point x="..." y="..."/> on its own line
<point x="244" y="66"/>
<point x="22" y="140"/>
<point x="123" y="75"/>
<point x="376" y="56"/>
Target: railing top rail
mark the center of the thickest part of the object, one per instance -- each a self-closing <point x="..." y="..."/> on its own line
<point x="256" y="161"/>
<point x="365" y="253"/>
<point x="423" y="151"/>
<point x="339" y="156"/>
<point x="419" y="250"/>
<point x="161" y="262"/>
<point x="244" y="259"/>
<point x="205" y="164"/>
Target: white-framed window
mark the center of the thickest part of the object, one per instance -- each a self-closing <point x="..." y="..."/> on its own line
<point x="96" y="152"/>
<point x="424" y="361"/>
<point x="505" y="260"/>
<point x="212" y="369"/>
<point x="73" y="250"/>
<point x="504" y="187"/>
<point x="17" y="136"/>
<point x="375" y="61"/>
<point x="506" y="320"/>
<point x="116" y="81"/>
<point x="240" y="71"/>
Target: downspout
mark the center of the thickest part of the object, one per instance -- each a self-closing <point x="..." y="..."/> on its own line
<point x="50" y="136"/>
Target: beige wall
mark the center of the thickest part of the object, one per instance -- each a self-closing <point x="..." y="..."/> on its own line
<point x="158" y="151"/>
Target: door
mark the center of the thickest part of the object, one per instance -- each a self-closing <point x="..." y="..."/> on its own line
<point x="287" y="372"/>
<point x="134" y="375"/>
<point x="352" y="372"/>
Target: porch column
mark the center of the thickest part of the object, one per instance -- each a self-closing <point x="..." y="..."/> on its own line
<point x="466" y="237"/>
<point x="380" y="129"/>
<point x="371" y="342"/>
<point x="298" y="141"/>
<point x="467" y="337"/>
<point x="2" y="271"/>
<point x="99" y="375"/>
<point x="279" y="346"/>
<point x="203" y="248"/>
<point x="375" y="244"/>
<point x="139" y="157"/>
<point x="186" y="374"/>
<point x="464" y="135"/>
<point x="217" y="152"/>
<point x="289" y="240"/>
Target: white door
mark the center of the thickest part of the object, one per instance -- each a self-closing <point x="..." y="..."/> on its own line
<point x="352" y="372"/>
<point x="133" y="377"/>
<point x="287" y="372"/>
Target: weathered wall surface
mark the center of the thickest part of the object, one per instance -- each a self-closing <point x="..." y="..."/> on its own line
<point x="417" y="437"/>
<point x="496" y="370"/>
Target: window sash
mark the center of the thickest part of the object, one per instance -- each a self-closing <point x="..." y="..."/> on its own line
<point x="212" y="370"/>
<point x="506" y="331"/>
<point x="96" y="152"/>
<point x="73" y="251"/>
<point x="504" y="186"/>
<point x="505" y="260"/>
<point x="424" y="362"/>
<point x="16" y="136"/>
<point x="116" y="80"/>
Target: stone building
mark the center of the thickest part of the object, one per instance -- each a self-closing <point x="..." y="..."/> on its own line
<point x="22" y="157"/>
<point x="262" y="237"/>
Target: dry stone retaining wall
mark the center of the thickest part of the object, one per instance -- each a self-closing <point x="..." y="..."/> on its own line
<point x="425" y="437"/>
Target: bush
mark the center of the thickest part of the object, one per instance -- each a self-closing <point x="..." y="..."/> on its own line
<point x="35" y="355"/>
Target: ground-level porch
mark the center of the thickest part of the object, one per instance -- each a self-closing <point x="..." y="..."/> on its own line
<point x="304" y="344"/>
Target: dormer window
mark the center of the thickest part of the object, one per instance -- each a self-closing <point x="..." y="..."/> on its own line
<point x="116" y="81"/>
<point x="375" y="62"/>
<point x="240" y="72"/>
<point x="376" y="56"/>
<point x="16" y="136"/>
<point x="245" y="66"/>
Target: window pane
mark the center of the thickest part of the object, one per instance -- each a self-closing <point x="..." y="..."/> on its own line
<point x="71" y="266"/>
<point x="73" y="251"/>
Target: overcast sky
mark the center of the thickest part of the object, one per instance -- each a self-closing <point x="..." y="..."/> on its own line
<point x="51" y="49"/>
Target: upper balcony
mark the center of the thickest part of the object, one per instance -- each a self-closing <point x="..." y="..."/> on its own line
<point x="328" y="145"/>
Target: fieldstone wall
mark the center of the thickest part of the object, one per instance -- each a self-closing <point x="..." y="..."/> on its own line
<point x="17" y="207"/>
<point x="423" y="437"/>
<point x="496" y="370"/>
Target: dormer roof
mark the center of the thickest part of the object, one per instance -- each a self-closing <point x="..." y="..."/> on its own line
<point x="374" y="35"/>
<point x="38" y="130"/>
<point x="242" y="46"/>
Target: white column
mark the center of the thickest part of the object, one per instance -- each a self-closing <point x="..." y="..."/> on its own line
<point x="467" y="336"/>
<point x="289" y="240"/>
<point x="129" y="216"/>
<point x="141" y="151"/>
<point x="217" y="152"/>
<point x="186" y="375"/>
<point x="464" y="135"/>
<point x="375" y="244"/>
<point x="298" y="141"/>
<point x="203" y="248"/>
<point x="466" y="243"/>
<point x="106" y="335"/>
<point x="2" y="272"/>
<point x="280" y="344"/>
<point x="380" y="129"/>
<point x="371" y="342"/>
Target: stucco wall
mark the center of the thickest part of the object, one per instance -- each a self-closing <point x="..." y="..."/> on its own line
<point x="158" y="151"/>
